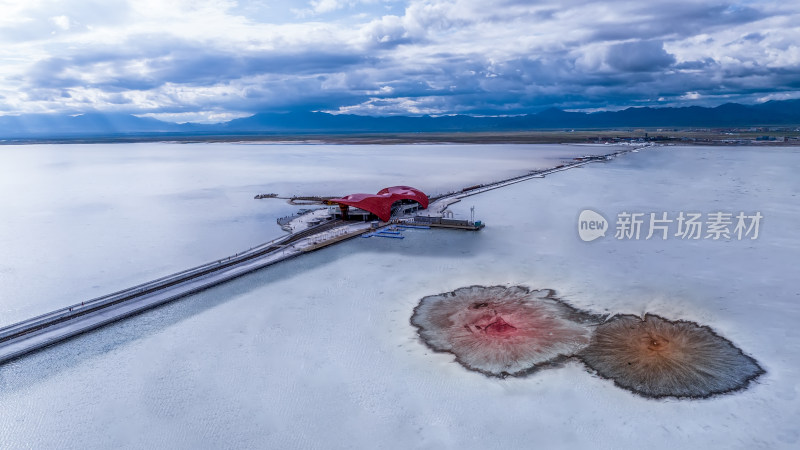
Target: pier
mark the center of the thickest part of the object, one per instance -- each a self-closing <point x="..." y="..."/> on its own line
<point x="47" y="329"/>
<point x="440" y="222"/>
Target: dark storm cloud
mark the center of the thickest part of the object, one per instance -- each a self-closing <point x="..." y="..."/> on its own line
<point x="658" y="20"/>
<point x="696" y="65"/>
<point x="455" y="56"/>
<point x="181" y="63"/>
<point x="755" y="37"/>
<point x="642" y="56"/>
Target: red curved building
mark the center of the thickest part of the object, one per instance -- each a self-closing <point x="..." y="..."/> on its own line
<point x="381" y="203"/>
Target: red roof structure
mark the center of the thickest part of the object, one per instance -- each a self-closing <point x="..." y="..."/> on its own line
<point x="380" y="204"/>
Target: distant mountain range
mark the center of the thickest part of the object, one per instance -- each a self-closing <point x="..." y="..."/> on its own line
<point x="33" y="126"/>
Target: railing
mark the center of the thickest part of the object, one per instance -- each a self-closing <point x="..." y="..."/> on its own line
<point x="78" y="309"/>
<point x="443" y="221"/>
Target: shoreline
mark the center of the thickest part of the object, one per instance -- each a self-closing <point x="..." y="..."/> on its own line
<point x="703" y="137"/>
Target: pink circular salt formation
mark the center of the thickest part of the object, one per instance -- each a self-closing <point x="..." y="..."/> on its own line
<point x="501" y="330"/>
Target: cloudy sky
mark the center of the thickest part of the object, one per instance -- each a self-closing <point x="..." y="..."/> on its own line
<point x="219" y="59"/>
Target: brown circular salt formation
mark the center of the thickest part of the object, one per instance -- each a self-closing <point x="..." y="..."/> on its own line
<point x="656" y="357"/>
<point x="500" y="330"/>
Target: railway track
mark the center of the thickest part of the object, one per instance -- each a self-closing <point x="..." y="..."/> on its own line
<point x="75" y="315"/>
